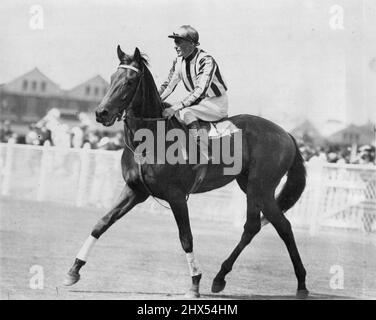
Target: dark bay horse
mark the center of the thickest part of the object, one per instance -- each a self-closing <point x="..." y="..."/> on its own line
<point x="267" y="154"/>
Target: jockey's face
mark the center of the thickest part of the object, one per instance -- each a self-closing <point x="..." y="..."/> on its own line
<point x="183" y="47"/>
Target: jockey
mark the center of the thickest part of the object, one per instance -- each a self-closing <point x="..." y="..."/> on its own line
<point x="207" y="99"/>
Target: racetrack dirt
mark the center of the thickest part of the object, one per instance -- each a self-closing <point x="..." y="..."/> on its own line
<point x="140" y="257"/>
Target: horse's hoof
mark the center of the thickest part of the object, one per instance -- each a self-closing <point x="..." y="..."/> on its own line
<point x="191" y="294"/>
<point x="218" y="285"/>
<point x="71" y="279"/>
<point x="302" y="294"/>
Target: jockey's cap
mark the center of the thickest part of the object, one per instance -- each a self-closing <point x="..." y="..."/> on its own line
<point x="188" y="33"/>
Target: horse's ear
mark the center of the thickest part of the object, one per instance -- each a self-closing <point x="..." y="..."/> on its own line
<point x="120" y="53"/>
<point x="137" y="55"/>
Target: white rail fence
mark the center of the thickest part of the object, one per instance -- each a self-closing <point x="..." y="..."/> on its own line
<point x="339" y="196"/>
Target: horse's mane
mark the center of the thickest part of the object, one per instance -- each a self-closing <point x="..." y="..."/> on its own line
<point x="166" y="104"/>
<point x="149" y="77"/>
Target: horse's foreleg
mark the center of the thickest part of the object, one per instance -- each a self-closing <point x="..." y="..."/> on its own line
<point x="127" y="200"/>
<point x="180" y="211"/>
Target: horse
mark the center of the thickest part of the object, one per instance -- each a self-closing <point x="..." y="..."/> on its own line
<point x="268" y="153"/>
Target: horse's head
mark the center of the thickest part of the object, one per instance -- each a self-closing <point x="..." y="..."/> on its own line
<point x="123" y="87"/>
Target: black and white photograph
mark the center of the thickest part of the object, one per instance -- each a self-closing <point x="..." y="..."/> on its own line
<point x="194" y="151"/>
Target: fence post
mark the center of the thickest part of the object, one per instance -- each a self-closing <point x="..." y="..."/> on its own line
<point x="43" y="171"/>
<point x="316" y="173"/>
<point x="84" y="170"/>
<point x="8" y="167"/>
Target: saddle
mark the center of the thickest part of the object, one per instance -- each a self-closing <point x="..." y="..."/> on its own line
<point x="216" y="130"/>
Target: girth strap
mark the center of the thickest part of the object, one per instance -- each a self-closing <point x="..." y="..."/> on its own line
<point x="200" y="176"/>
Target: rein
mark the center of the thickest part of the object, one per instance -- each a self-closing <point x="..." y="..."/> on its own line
<point x="125" y="115"/>
<point x="142" y="119"/>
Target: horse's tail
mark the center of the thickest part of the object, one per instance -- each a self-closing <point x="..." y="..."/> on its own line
<point x="294" y="186"/>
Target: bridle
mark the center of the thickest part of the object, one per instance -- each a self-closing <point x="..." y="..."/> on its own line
<point x="125" y="66"/>
<point x="124" y="113"/>
<point x="126" y="116"/>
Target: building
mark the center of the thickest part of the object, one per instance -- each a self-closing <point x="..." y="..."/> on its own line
<point x="353" y="134"/>
<point x="307" y="133"/>
<point x="28" y="98"/>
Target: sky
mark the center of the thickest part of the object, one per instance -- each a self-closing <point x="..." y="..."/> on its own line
<point x="285" y="60"/>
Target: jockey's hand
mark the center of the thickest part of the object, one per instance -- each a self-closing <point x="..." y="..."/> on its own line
<point x="169" y="112"/>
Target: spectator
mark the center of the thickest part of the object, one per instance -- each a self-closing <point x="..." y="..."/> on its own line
<point x="77" y="137"/>
<point x="62" y="137"/>
<point x="105" y="143"/>
<point x="118" y="140"/>
<point x="51" y="128"/>
<point x="6" y="131"/>
<point x="32" y="136"/>
<point x="93" y="140"/>
<point x="44" y="135"/>
<point x="319" y="156"/>
<point x="51" y="123"/>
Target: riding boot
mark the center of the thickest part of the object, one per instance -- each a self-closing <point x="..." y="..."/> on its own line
<point x="194" y="128"/>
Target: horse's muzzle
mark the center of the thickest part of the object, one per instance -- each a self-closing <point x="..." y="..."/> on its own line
<point x="101" y="115"/>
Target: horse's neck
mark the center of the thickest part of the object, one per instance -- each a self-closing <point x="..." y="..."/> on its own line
<point x="148" y="102"/>
<point x="146" y="105"/>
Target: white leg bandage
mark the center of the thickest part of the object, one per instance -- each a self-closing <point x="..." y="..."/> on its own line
<point x="86" y="248"/>
<point x="194" y="269"/>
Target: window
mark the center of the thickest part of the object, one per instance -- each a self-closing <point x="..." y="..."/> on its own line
<point x="43" y="86"/>
<point x="24" y="85"/>
<point x="34" y="85"/>
<point x="96" y="91"/>
<point x="87" y="90"/>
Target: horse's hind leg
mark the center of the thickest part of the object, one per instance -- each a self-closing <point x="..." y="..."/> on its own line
<point x="251" y="228"/>
<point x="283" y="227"/>
<point x="127" y="200"/>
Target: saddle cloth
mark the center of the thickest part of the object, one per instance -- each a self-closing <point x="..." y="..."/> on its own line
<point x="219" y="128"/>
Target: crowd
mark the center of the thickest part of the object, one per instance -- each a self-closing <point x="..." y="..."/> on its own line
<point x="51" y="128"/>
<point x="339" y="154"/>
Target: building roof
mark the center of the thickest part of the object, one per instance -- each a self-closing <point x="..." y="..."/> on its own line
<point x="36" y="83"/>
<point x="93" y="89"/>
<point x="33" y="82"/>
<point x="307" y="131"/>
<point x="364" y="134"/>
